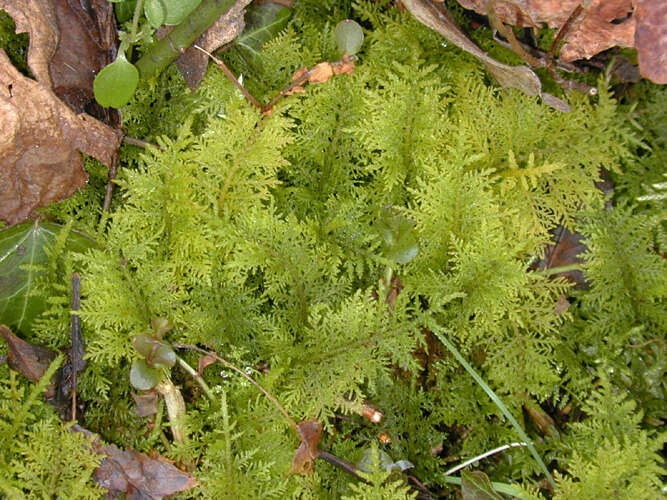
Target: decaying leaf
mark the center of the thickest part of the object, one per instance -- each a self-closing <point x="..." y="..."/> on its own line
<point x="39" y="145"/>
<point x="69" y="43"/>
<point x="204" y="361"/>
<point x="564" y="252"/>
<point x="651" y="39"/>
<point x="147" y="404"/>
<point x="436" y="18"/>
<point x="310" y="432"/>
<point x="29" y="360"/>
<point x="39" y="20"/>
<point x="192" y="64"/>
<point x="601" y="25"/>
<point x="135" y="474"/>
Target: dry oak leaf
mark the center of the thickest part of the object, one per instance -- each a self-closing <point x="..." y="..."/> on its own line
<point x="310" y="432"/>
<point x="40" y="142"/>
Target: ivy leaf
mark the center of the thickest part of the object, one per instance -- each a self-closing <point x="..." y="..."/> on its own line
<point x="399" y="241"/>
<point x="23" y="255"/>
<point x="143" y="377"/>
<point x="156" y="12"/>
<point x="114" y="86"/>
<point x="476" y="486"/>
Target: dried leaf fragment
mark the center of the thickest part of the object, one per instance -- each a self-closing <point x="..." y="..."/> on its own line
<point x="39" y="145"/>
<point x="138" y="475"/>
<point x="310" y="432"/>
<point x="651" y="39"/>
<point x="29" y="360"/>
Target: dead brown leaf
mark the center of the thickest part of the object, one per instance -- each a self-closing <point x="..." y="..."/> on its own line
<point x="438" y="19"/>
<point x="135" y="474"/>
<point x="651" y="39"/>
<point x="29" y="360"/>
<point x="147" y="404"/>
<point x="39" y="145"/>
<point x="203" y="362"/>
<point x="69" y="44"/>
<point x="566" y="251"/>
<point x="600" y="26"/>
<point x="320" y="73"/>
<point x="310" y="432"/>
<point x="37" y="18"/>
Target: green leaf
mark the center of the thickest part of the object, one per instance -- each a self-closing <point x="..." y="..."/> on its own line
<point x="263" y="22"/>
<point x="114" y="86"/>
<point x="349" y="36"/>
<point x="160" y="327"/>
<point x="163" y="357"/>
<point x="144" y="344"/>
<point x="124" y="10"/>
<point x="178" y="10"/>
<point x="399" y="241"/>
<point x="143" y="377"/>
<point x="22" y="256"/>
<point x="475" y="485"/>
<point x="156" y="12"/>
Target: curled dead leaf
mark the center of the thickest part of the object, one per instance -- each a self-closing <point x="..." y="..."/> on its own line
<point x="310" y="432"/>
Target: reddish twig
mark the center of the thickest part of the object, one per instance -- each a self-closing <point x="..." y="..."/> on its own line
<point x="231" y="76"/>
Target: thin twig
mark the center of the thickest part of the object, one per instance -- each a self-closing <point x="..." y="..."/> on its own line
<point x="341" y="464"/>
<point x="76" y="352"/>
<point x="140" y="143"/>
<point x="244" y="375"/>
<point x="230" y="75"/>
<point x="567" y="27"/>
<point x="112" y="175"/>
<point x="644" y="344"/>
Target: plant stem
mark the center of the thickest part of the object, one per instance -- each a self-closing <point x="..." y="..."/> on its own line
<point x="244" y="375"/>
<point x="483" y="455"/>
<point x="138" y="8"/>
<point x="231" y="76"/>
<point x="184" y="35"/>
<point x="200" y="380"/>
<point x="560" y="269"/>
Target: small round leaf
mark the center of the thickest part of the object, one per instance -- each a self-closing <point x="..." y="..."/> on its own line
<point x="116" y="83"/>
<point x="156" y="12"/>
<point x="144" y="344"/>
<point x="164" y="357"/>
<point x="143" y="377"/>
<point x="349" y="36"/>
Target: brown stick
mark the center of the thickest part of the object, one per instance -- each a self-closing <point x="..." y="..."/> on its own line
<point x="112" y="175"/>
<point x="140" y="143"/>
